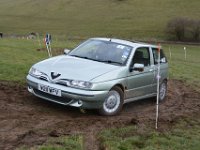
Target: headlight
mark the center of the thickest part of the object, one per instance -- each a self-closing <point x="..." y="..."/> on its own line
<point x="80" y="84"/>
<point x="35" y="72"/>
<point x="76" y="84"/>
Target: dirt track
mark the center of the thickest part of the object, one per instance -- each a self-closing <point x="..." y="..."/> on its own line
<point x="27" y="120"/>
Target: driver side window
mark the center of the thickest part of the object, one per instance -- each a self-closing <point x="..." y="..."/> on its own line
<point x="141" y="56"/>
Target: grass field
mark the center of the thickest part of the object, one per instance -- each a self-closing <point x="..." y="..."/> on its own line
<point x="186" y="69"/>
<point x="17" y="56"/>
<point x="179" y="137"/>
<point x="87" y="18"/>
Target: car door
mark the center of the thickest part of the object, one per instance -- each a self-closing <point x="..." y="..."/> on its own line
<point x="140" y="83"/>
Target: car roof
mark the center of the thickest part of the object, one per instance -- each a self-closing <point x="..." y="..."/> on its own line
<point x="125" y="42"/>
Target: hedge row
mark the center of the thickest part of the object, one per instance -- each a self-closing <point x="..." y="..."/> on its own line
<point x="184" y="29"/>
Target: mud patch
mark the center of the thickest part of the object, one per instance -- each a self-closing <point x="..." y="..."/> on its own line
<point x="27" y="120"/>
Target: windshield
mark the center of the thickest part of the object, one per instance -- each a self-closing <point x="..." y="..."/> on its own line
<point x="103" y="51"/>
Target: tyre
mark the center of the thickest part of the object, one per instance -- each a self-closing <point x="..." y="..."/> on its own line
<point x="163" y="91"/>
<point x="113" y="102"/>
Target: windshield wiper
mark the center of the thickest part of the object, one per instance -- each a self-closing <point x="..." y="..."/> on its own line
<point x="110" y="62"/>
<point x="106" y="61"/>
<point x="79" y="56"/>
<point x="84" y="57"/>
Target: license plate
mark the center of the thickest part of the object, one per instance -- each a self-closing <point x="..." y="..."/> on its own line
<point x="49" y="90"/>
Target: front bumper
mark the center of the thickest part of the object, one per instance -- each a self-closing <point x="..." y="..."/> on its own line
<point x="69" y="96"/>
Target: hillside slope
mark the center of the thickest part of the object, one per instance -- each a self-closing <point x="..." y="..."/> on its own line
<point x="120" y="18"/>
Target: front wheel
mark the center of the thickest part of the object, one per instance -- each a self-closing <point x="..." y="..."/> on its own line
<point x="163" y="91"/>
<point x="113" y="102"/>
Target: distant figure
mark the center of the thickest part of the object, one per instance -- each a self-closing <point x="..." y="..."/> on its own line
<point x="1" y="35"/>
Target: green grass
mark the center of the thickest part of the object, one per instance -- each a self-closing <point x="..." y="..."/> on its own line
<point x="86" y="18"/>
<point x="187" y="69"/>
<point x="184" y="135"/>
<point x="74" y="142"/>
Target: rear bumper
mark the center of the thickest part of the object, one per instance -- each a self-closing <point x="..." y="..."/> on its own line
<point x="69" y="96"/>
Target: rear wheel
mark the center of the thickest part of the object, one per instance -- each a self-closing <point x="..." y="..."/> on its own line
<point x="113" y="102"/>
<point x="163" y="91"/>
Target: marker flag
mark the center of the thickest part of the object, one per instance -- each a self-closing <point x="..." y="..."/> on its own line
<point x="47" y="40"/>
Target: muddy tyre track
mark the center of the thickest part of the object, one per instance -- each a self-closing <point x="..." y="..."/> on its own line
<point x="27" y="120"/>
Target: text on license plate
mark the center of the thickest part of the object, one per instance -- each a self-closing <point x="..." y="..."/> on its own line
<point x="50" y="90"/>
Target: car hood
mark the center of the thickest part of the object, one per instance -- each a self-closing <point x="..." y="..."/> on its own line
<point x="74" y="68"/>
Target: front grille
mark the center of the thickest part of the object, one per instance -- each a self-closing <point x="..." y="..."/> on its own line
<point x="61" y="82"/>
<point x="52" y="97"/>
<point x="43" y="78"/>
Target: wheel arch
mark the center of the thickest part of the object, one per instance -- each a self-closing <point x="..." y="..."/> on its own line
<point x="120" y="86"/>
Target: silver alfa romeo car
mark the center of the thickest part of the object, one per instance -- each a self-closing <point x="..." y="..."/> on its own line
<point x="102" y="74"/>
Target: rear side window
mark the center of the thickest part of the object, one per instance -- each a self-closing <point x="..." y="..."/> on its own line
<point x="163" y="58"/>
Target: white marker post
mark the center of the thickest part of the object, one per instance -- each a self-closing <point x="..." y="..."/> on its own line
<point x="158" y="87"/>
<point x="185" y="53"/>
<point x="38" y="37"/>
<point x="170" y="53"/>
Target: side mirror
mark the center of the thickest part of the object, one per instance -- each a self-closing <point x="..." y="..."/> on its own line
<point x="137" y="67"/>
<point x="163" y="60"/>
<point x="66" y="51"/>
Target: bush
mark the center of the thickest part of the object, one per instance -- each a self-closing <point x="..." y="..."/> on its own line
<point x="184" y="29"/>
<point x="176" y="27"/>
